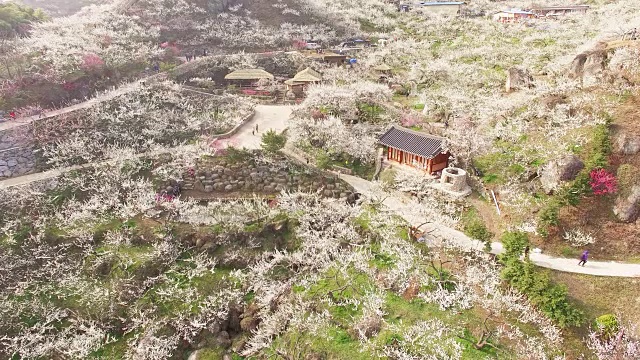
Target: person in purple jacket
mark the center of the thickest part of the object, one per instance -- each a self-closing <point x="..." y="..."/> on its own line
<point x="584" y="258"/>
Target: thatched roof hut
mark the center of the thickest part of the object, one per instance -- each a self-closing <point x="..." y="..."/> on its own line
<point x="305" y="76"/>
<point x="382" y="68"/>
<point x="249" y="74"/>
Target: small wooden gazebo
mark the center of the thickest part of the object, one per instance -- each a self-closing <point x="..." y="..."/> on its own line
<point x="302" y="79"/>
<point x="248" y="77"/>
<point x="383" y="69"/>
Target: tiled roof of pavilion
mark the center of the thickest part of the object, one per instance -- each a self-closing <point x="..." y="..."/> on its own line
<point x="412" y="141"/>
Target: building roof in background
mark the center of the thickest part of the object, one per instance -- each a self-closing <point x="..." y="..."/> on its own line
<point x="436" y="3"/>
<point x="249" y="74"/>
<point x="413" y="142"/>
<point x="568" y="7"/>
<point x="307" y="75"/>
<point x="515" y="11"/>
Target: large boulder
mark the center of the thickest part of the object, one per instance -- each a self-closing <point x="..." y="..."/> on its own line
<point x="558" y="171"/>
<point x="518" y="78"/>
<point x="626" y="144"/>
<point x="589" y="66"/>
<point x="627" y="208"/>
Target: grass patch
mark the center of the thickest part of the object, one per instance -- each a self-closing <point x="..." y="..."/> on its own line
<point x="474" y="226"/>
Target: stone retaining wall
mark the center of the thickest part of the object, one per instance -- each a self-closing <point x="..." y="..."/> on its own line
<point x="220" y="176"/>
<point x="16" y="154"/>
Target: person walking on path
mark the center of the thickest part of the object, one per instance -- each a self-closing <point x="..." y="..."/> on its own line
<point x="253" y="132"/>
<point x="256" y="127"/>
<point x="584" y="258"/>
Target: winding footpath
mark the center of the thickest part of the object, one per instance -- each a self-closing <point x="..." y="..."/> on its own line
<point x="266" y="117"/>
<point x="401" y="205"/>
<point x="7" y="125"/>
<point x="275" y="117"/>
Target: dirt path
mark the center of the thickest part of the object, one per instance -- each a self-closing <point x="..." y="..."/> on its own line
<point x="403" y="207"/>
<point x="266" y="117"/>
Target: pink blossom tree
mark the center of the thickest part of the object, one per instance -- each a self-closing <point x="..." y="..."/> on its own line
<point x="92" y="62"/>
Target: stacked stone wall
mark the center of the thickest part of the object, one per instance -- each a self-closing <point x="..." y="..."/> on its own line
<point x="220" y="176"/>
<point x="16" y="153"/>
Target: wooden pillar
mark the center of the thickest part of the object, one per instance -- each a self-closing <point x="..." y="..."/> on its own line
<point x="429" y="163"/>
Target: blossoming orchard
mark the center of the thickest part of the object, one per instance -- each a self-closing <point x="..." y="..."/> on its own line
<point x="319" y="179"/>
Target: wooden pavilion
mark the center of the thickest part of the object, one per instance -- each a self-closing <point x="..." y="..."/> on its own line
<point x="418" y="150"/>
<point x="383" y="69"/>
<point x="247" y="77"/>
<point x="384" y="72"/>
<point x="299" y="83"/>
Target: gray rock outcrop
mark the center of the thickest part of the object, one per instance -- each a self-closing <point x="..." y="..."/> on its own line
<point x="518" y="78"/>
<point x="627" y="208"/>
<point x="626" y="144"/>
<point x="558" y="171"/>
<point x="589" y="66"/>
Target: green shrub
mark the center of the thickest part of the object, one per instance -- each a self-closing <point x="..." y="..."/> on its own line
<point x="607" y="325"/>
<point x="627" y="178"/>
<point x="550" y="298"/>
<point x="474" y="227"/>
<point x="323" y="160"/>
<point x="388" y="176"/>
<point x="272" y="142"/>
<point x="167" y="66"/>
<point x="369" y="112"/>
<point x="514" y="243"/>
<point x="599" y="148"/>
<point x="549" y="216"/>
<point x="237" y="155"/>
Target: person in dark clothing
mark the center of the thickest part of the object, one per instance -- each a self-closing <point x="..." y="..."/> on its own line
<point x="256" y="127"/>
<point x="526" y="252"/>
<point x="188" y="56"/>
<point x="156" y="67"/>
<point x="584" y="258"/>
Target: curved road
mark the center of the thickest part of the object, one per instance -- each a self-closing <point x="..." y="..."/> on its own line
<point x="402" y="206"/>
